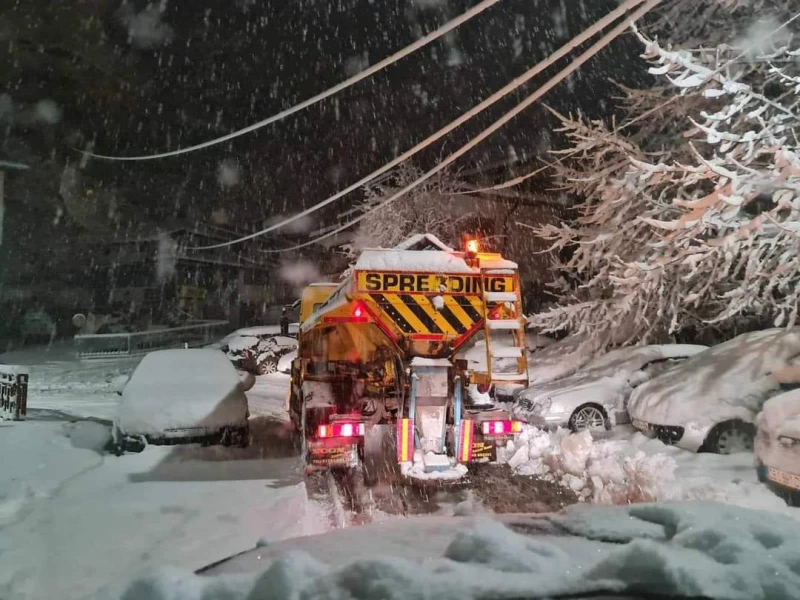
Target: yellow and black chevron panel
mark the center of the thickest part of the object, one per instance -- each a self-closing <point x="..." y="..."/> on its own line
<point x="415" y="314"/>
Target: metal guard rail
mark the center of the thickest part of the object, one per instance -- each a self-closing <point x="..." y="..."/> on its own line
<point x="109" y="345"/>
<point x="14" y="391"/>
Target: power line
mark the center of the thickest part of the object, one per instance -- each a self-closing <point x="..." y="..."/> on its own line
<point x="474" y="111"/>
<point x="411" y="48"/>
<point x="563" y="74"/>
<point x="517" y="180"/>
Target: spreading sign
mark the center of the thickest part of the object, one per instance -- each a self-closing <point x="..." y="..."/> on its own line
<point x="432" y="283"/>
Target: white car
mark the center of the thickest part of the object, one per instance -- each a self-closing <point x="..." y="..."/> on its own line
<point x="710" y="402"/>
<point x="595" y="396"/>
<point x="777" y="445"/>
<point x="548" y="360"/>
<point x="184" y="396"/>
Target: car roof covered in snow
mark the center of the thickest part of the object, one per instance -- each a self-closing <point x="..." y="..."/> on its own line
<point x="182" y="389"/>
<point x="727" y="381"/>
<point x="617" y="365"/>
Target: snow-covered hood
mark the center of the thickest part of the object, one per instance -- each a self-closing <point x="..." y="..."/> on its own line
<point x="675" y="548"/>
<point x="728" y="381"/>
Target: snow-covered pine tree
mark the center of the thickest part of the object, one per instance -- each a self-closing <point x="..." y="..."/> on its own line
<point x="690" y="210"/>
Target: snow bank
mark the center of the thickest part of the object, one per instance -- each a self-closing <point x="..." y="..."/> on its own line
<point x="175" y="389"/>
<point x="609" y="472"/>
<point x="638" y="469"/>
<point x="692" y="550"/>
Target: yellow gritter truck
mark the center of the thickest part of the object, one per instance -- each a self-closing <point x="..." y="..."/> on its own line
<point x="379" y="361"/>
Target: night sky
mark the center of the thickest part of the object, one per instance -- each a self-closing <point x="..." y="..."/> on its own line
<point x="203" y="68"/>
<point x="228" y="65"/>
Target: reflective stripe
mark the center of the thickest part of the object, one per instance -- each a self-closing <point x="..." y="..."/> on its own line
<point x="405" y="440"/>
<point x="465" y="445"/>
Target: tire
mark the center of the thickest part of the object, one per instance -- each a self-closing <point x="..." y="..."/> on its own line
<point x="730" y="437"/>
<point x="589" y="417"/>
<point x="268" y="366"/>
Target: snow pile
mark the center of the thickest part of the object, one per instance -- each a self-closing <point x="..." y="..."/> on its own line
<point x="694" y="550"/>
<point x="607" y="472"/>
<point x="681" y="550"/>
<point x="636" y="468"/>
<point x="175" y="389"/>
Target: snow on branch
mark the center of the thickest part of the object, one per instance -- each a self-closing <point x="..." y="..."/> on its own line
<point x="692" y="225"/>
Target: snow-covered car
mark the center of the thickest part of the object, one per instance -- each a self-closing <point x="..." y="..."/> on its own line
<point x="777" y="445"/>
<point x="682" y="550"/>
<point x="257" y="350"/>
<point x="548" y="360"/>
<point x="595" y="396"/>
<point x="710" y="402"/>
<point x="181" y="396"/>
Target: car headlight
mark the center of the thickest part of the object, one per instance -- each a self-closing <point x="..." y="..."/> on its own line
<point x="542" y="406"/>
<point x="788" y="442"/>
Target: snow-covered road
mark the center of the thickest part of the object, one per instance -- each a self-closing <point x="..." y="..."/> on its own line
<point x="75" y="523"/>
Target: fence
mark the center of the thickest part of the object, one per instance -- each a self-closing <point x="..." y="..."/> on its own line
<point x="110" y="345"/>
<point x="14" y="391"/>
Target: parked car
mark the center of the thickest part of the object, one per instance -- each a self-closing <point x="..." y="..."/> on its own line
<point x="710" y="402"/>
<point x="595" y="396"/>
<point x="181" y="396"/>
<point x="548" y="360"/>
<point x="777" y="445"/>
<point x="257" y="350"/>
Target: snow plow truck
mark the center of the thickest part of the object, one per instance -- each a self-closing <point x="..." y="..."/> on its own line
<point x="378" y="372"/>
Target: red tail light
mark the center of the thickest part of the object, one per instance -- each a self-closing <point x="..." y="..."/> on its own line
<point x="340" y="430"/>
<point x="359" y="314"/>
<point x="501" y="427"/>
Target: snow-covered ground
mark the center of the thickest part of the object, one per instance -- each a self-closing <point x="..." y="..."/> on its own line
<point x="677" y="550"/>
<point x="76" y="523"/>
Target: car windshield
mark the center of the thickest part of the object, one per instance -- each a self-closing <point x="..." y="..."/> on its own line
<point x="357" y="299"/>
